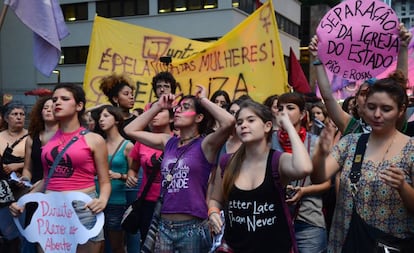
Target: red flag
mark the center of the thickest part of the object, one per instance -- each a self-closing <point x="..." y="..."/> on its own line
<point x="297" y="78"/>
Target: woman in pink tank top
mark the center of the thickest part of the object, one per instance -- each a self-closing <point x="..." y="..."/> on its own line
<point x="84" y="159"/>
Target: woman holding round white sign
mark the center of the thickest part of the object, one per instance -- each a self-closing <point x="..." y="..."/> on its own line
<point x="81" y="162"/>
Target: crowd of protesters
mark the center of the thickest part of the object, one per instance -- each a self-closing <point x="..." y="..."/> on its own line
<point x="262" y="176"/>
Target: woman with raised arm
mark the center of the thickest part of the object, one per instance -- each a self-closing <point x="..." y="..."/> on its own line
<point x="376" y="185"/>
<point x="251" y="192"/>
<point x="345" y="122"/>
<point x="303" y="196"/>
<point x="188" y="160"/>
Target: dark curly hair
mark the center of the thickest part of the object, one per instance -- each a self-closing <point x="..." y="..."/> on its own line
<point x="36" y="121"/>
<point x="111" y="85"/>
<point x="166" y="77"/>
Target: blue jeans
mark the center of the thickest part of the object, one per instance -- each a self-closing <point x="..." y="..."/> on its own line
<point x="310" y="238"/>
<point x="183" y="236"/>
<point x="8" y="229"/>
<point x="133" y="240"/>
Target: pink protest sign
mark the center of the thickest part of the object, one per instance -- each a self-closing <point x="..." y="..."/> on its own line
<point x="358" y="39"/>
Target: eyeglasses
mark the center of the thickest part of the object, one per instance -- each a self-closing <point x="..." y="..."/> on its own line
<point x="182" y="107"/>
<point x="163" y="86"/>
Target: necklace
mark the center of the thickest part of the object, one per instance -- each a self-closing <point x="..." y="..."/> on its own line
<point x="389" y="146"/>
<point x="188" y="139"/>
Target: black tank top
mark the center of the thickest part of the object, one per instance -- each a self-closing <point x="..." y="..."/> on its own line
<point x="255" y="219"/>
<point x="37" y="167"/>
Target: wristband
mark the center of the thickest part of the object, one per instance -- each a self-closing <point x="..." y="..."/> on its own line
<point x="123" y="177"/>
<point x="212" y="210"/>
<point x="317" y="62"/>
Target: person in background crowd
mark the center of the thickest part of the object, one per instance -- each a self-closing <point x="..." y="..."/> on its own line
<point x="345" y="122"/>
<point x="120" y="93"/>
<point x="349" y="106"/>
<point x="319" y="117"/>
<point x="162" y="83"/>
<point x="42" y="127"/>
<point x="303" y="196"/>
<point x="89" y="121"/>
<point x="88" y="158"/>
<point x="147" y="158"/>
<point x="12" y="150"/>
<point x="2" y="123"/>
<point x="249" y="184"/>
<point x="221" y="98"/>
<point x="383" y="195"/>
<point x="187" y="158"/>
<point x="271" y="103"/>
<point x="109" y="122"/>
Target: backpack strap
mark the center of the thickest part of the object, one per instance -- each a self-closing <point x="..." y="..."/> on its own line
<point x="18" y="141"/>
<point x="355" y="173"/>
<point x="275" y="157"/>
<point x="59" y="157"/>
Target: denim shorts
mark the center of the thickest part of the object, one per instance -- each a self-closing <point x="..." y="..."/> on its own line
<point x="310" y="238"/>
<point x="113" y="216"/>
<point x="8" y="228"/>
<point x="183" y="236"/>
<point x="86" y="217"/>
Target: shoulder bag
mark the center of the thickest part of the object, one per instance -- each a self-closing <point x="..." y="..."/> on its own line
<point x="362" y="237"/>
<point x="131" y="220"/>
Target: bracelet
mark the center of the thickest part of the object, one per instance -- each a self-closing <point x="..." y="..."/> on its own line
<point x="317" y="62"/>
<point x="212" y="210"/>
<point x="123" y="176"/>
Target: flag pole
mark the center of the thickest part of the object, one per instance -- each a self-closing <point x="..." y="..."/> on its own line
<point x="3" y="14"/>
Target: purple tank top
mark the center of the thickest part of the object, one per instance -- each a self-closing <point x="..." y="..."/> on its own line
<point x="190" y="169"/>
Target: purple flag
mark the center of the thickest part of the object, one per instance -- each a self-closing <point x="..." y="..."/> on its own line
<point x="45" y="19"/>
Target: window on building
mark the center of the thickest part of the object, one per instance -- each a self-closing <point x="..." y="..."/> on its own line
<point x="75" y="12"/>
<point x="122" y="8"/>
<point x="166" y="6"/>
<point x="248" y="6"/>
<point x="74" y="55"/>
<point x="287" y="26"/>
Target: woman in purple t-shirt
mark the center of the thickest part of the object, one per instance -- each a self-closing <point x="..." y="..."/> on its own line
<point x="188" y="160"/>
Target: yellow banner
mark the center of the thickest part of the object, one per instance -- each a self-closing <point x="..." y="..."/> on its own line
<point x="247" y="60"/>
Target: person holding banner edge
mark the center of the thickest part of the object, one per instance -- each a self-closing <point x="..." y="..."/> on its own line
<point x="345" y="122"/>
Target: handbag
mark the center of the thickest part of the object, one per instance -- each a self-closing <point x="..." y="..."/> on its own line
<point x="361" y="236"/>
<point x="131" y="220"/>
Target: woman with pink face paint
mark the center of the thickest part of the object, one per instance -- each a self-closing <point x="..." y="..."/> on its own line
<point x="188" y="160"/>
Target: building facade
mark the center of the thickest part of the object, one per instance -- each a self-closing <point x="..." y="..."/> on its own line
<point x="204" y="20"/>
